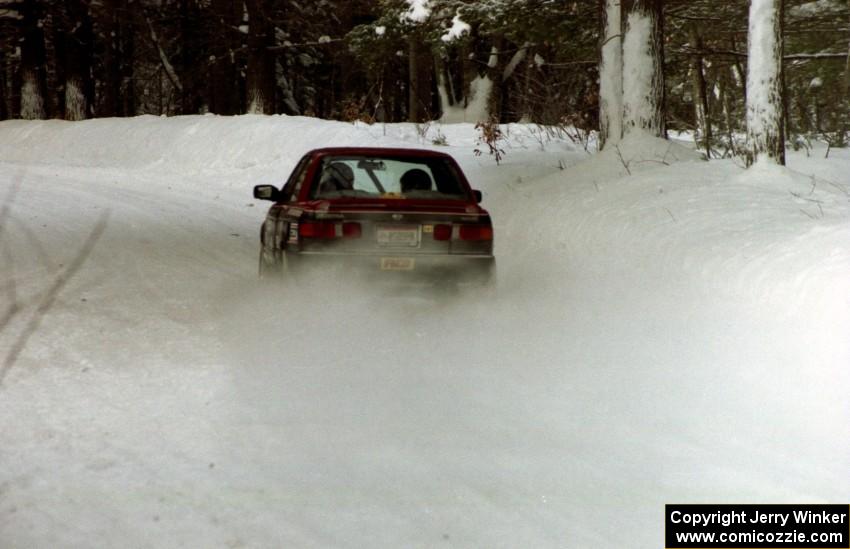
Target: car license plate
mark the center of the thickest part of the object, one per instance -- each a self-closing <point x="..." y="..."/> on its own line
<point x="398" y="263"/>
<point x="398" y="237"/>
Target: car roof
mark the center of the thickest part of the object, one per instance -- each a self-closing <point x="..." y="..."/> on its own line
<point x="379" y="151"/>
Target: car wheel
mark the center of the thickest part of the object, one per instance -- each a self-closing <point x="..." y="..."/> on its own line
<point x="271" y="264"/>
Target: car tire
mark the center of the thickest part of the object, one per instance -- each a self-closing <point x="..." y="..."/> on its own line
<point x="271" y="264"/>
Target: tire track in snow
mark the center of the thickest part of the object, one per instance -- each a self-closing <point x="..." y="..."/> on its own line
<point x="9" y="200"/>
<point x="35" y="244"/>
<point x="52" y="293"/>
<point x="11" y="287"/>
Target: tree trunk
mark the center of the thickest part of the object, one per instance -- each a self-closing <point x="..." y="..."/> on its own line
<point x="32" y="68"/>
<point x="77" y="39"/>
<point x="116" y="92"/>
<point x="738" y="68"/>
<point x="110" y="90"/>
<point x="844" y="118"/>
<point x="725" y="82"/>
<point x="643" y="66"/>
<point x="190" y="61"/>
<point x="223" y="84"/>
<point x="445" y="84"/>
<point x="127" y="43"/>
<point x="4" y="107"/>
<point x="765" y="104"/>
<point x="419" y="79"/>
<point x="495" y="70"/>
<point x="468" y="67"/>
<point x="413" y="108"/>
<point x="261" y="61"/>
<point x="527" y="114"/>
<point x="610" y="75"/>
<point x="702" y="125"/>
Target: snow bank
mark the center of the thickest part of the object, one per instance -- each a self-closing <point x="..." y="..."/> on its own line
<point x="768" y="234"/>
<point x="185" y="143"/>
<point x="636" y="152"/>
<point x="213" y="144"/>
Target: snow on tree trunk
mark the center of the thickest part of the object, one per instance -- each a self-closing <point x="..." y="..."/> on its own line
<point x="77" y="47"/>
<point x="32" y="66"/>
<point x="765" y="114"/>
<point x="76" y="105"/>
<point x="32" y="100"/>
<point x="475" y="108"/>
<point x="611" y="75"/>
<point x="494" y="74"/>
<point x="257" y="102"/>
<point x="643" y="67"/>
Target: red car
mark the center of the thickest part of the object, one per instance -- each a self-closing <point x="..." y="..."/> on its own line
<point x="404" y="211"/>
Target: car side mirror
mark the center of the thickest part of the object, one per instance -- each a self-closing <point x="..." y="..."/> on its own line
<point x="266" y="192"/>
<point x="477" y="195"/>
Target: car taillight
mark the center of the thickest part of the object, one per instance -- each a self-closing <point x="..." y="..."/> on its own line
<point x="442" y="232"/>
<point x="328" y="230"/>
<point x="352" y="230"/>
<point x="476" y="232"/>
<point x="317" y="229"/>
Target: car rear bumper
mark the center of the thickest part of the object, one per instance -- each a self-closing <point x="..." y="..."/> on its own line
<point x="394" y="265"/>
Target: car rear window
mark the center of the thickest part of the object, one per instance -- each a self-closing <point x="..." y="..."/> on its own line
<point x="371" y="177"/>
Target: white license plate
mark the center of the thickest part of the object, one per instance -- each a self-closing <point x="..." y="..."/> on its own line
<point x="398" y="263"/>
<point x="401" y="237"/>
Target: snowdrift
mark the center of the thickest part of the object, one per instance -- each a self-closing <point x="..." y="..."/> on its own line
<point x="188" y="143"/>
<point x="211" y="144"/>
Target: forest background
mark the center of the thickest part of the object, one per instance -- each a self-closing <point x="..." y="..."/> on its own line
<point x="492" y="61"/>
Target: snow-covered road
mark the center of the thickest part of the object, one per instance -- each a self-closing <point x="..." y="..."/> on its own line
<point x="678" y="335"/>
